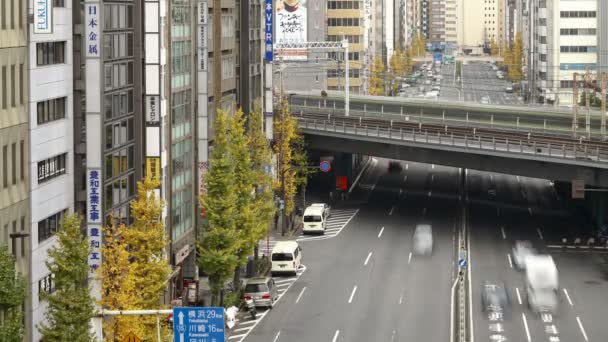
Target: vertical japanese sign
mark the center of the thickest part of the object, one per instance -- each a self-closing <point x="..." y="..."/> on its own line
<point x="43" y="16"/>
<point x="92" y="30"/>
<point x="268" y="16"/>
<point x="94" y="217"/>
<point x="203" y="100"/>
<point x="291" y="20"/>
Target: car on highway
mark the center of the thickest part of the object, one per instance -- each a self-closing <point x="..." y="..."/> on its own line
<point x="485" y="100"/>
<point x="509" y="89"/>
<point x="427" y="82"/>
<point x="423" y="240"/>
<point x="520" y="251"/>
<point x="326" y="208"/>
<point x="436" y="88"/>
<point x="262" y="290"/>
<point x="495" y="300"/>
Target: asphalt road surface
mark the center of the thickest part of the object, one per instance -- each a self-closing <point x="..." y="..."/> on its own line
<point x="479" y="81"/>
<point x="364" y="285"/>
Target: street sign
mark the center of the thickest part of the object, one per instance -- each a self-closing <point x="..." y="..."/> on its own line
<point x="325" y="166"/>
<point x="131" y="337"/>
<point x="578" y="188"/>
<point x="462" y="254"/>
<point x="194" y="324"/>
<point x="462" y="263"/>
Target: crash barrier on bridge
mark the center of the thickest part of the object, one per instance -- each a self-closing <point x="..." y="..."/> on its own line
<point x="578" y="243"/>
<point x="497" y="142"/>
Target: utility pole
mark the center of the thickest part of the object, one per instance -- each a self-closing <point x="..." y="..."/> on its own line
<point x="575" y="104"/>
<point x="587" y="96"/>
<point x="217" y="56"/>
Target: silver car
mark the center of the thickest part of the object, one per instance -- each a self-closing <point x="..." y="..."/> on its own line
<point x="521" y="250"/>
<point x="423" y="240"/>
<point x="263" y="291"/>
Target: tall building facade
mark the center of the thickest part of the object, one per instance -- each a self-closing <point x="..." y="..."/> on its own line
<point x="15" y="215"/>
<point x="494" y="27"/>
<point x="345" y="20"/>
<point x="51" y="145"/>
<point x="250" y="34"/>
<point x="451" y="25"/>
<point x="565" y="41"/>
<point x="437" y="23"/>
<point x="602" y="31"/>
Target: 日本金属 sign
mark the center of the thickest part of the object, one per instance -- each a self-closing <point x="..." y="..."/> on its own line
<point x="194" y="324"/>
<point x="92" y="37"/>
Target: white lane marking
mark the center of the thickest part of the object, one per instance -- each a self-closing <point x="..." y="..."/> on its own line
<point x="518" y="296"/>
<point x="502" y="230"/>
<point x="409" y="258"/>
<point x="405" y="179"/>
<point x="373" y="187"/>
<point x="336" y="336"/>
<point x="241" y="329"/>
<point x="424" y="211"/>
<point x="523" y="316"/>
<point x="568" y="297"/>
<point x="352" y="294"/>
<point x="283" y="285"/>
<point x="284" y="280"/>
<point x="430" y="192"/>
<point x="432" y="178"/>
<point x="237" y="336"/>
<point x="510" y="261"/>
<point x="277" y="336"/>
<point x="380" y="234"/>
<point x="367" y="259"/>
<point x="401" y="299"/>
<point x="580" y="325"/>
<point x="530" y="211"/>
<point x="246" y="322"/>
<point x="518" y="180"/>
<point x="540" y="234"/>
<point x="407" y="166"/>
<point x="392" y="209"/>
<point x="433" y="166"/>
<point x="300" y="295"/>
<point x="469" y="266"/>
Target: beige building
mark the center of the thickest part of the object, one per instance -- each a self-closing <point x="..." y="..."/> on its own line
<point x="346" y="21"/>
<point x="478" y="22"/>
<point x="14" y="175"/>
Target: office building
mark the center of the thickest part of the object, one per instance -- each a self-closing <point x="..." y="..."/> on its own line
<point x="250" y="34"/>
<point x="494" y="21"/>
<point x="565" y="41"/>
<point x="602" y="34"/>
<point x="425" y="16"/>
<point x="437" y="24"/>
<point x="15" y="170"/>
<point x="51" y="145"/>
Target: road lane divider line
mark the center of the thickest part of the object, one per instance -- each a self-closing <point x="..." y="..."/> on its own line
<point x="580" y="325"/>
<point x="285" y="280"/>
<point x="432" y="178"/>
<point x="540" y="234"/>
<point x="409" y="258"/>
<point x="530" y="211"/>
<point x="424" y="211"/>
<point x="336" y="336"/>
<point x="352" y="294"/>
<point x="380" y="234"/>
<point x="568" y="297"/>
<point x="405" y="179"/>
<point x="469" y="267"/>
<point x="367" y="259"/>
<point x="392" y="209"/>
<point x="518" y="296"/>
<point x="510" y="261"/>
<point x="504" y="235"/>
<point x="407" y="166"/>
<point x="300" y="295"/>
<point x="237" y="336"/>
<point x="523" y="317"/>
<point x="433" y="166"/>
<point x="277" y="336"/>
<point x="430" y="193"/>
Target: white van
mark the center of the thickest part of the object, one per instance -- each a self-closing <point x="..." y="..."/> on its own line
<point x="286" y="257"/>
<point x="313" y="220"/>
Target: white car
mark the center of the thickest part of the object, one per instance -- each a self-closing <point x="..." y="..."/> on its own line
<point x="325" y="206"/>
<point x="521" y="250"/>
<point x="485" y="100"/>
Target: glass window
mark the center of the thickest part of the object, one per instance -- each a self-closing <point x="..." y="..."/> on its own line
<point x="49" y="226"/>
<point x="5" y="165"/>
<point x="49" y="53"/>
<point x="14" y="162"/>
<point x="51" y="168"/>
<point x="4" y="88"/>
<point x="46" y="284"/>
<point x="51" y="110"/>
<point x="22" y="158"/>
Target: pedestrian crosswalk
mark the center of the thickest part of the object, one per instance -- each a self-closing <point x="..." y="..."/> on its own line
<point x="338" y="220"/>
<point x="245" y="324"/>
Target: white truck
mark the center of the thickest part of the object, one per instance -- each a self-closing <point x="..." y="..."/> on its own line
<point x="541" y="284"/>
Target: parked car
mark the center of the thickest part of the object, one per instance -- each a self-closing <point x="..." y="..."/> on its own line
<point x="509" y="89"/>
<point x="326" y="208"/>
<point x="262" y="290"/>
<point x="286" y="257"/>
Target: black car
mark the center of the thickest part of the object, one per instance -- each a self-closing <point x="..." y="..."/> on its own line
<point x="495" y="300"/>
<point x="394" y="166"/>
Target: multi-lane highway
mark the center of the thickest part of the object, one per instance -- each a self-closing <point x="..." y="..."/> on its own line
<point x="479" y="80"/>
<point x="363" y="284"/>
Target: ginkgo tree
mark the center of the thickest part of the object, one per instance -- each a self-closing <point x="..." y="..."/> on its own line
<point x="12" y="295"/>
<point x="376" y="86"/>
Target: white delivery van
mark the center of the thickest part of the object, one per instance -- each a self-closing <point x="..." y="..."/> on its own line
<point x="286" y="257"/>
<point x="313" y="220"/>
<point x="541" y="284"/>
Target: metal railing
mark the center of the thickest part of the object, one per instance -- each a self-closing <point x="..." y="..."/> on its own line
<point x="489" y="142"/>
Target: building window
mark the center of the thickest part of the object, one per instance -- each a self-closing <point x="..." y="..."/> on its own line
<point x="22" y="239"/>
<point x="2" y="11"/>
<point x="22" y="156"/>
<point x="21" y="85"/>
<point x="50" y="225"/>
<point x="4" y="87"/>
<point x="14" y="162"/>
<point x="46" y="284"/>
<point x="13" y="92"/>
<point x="12" y="14"/>
<point x="578" y="49"/>
<point x="49" y="53"/>
<point x="58" y="3"/>
<point x="5" y="166"/>
<point x="577" y="14"/>
<point x="51" y="168"/>
<point x="50" y="110"/>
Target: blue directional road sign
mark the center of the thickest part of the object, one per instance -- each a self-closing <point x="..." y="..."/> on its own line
<point x="462" y="263"/>
<point x="191" y="324"/>
<point x="325" y="166"/>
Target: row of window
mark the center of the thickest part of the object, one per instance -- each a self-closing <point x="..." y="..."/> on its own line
<point x="351" y="38"/>
<point x="50" y="110"/>
<point x="120" y="191"/>
<point x="13" y="163"/>
<point x="118" y="104"/>
<point x="118" y="16"/>
<point x="11" y="74"/>
<point x="118" y="75"/>
<point x="49" y="53"/>
<point x="181" y="212"/>
<point x="578" y="32"/>
<point x="577" y="14"/>
<point x="344" y="5"/>
<point x="119" y="133"/>
<point x="8" y="8"/>
<point x="119" y="162"/>
<point x="577" y="49"/>
<point x="52" y="168"/>
<point x="118" y="45"/>
<point x="577" y="66"/>
<point x="47" y="284"/>
<point x="50" y="225"/>
<point x="334" y="73"/>
<point x="344" y="22"/>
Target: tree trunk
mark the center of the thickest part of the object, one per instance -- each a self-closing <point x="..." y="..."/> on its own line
<point x="256" y="252"/>
<point x="237" y="279"/>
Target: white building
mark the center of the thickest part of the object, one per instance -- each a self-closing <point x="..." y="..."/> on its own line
<point x="565" y="42"/>
<point x="51" y="140"/>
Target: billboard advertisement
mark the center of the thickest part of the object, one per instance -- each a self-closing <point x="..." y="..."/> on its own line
<point x="291" y="27"/>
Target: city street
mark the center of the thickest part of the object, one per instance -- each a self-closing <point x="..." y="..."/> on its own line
<point x="364" y="284"/>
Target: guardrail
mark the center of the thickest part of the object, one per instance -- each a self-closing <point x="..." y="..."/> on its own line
<point x="490" y="142"/>
<point x="557" y="125"/>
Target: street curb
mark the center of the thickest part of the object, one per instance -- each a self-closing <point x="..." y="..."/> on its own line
<point x="365" y="167"/>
